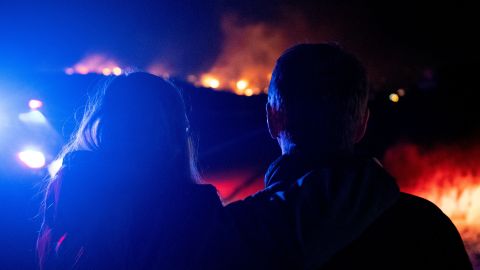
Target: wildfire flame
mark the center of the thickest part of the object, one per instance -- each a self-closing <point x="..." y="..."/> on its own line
<point x="448" y="176"/>
<point x="210" y="81"/>
<point x="245" y="61"/>
<point x="95" y="63"/>
<point x="249" y="53"/>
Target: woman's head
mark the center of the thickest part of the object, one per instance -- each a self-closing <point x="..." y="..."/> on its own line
<point x="138" y="116"/>
<point x="137" y="129"/>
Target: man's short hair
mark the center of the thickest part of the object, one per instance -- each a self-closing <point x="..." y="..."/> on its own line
<point x="323" y="92"/>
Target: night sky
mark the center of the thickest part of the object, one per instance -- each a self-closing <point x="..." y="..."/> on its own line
<point x="395" y="40"/>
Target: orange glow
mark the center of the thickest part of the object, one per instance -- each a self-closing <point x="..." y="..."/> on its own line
<point x="461" y="204"/>
<point x="248" y="92"/>
<point x="242" y="84"/>
<point x="95" y="63"/>
<point x="401" y="92"/>
<point x="239" y="92"/>
<point x="233" y="184"/>
<point x="106" y="71"/>
<point x="117" y="71"/>
<point x="82" y="69"/>
<point x="243" y="64"/>
<point x="394" y="97"/>
<point x="449" y="177"/>
<point x="211" y="82"/>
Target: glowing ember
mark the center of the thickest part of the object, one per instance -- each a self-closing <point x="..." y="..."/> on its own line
<point x="209" y="81"/>
<point x="242" y="85"/>
<point x="447" y="176"/>
<point x="80" y="69"/>
<point x="106" y="71"/>
<point x="117" y="71"/>
<point x="248" y="92"/>
<point x="394" y="97"/>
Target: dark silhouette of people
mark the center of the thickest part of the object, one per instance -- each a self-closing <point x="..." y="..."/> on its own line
<point x="317" y="111"/>
<point x="126" y="196"/>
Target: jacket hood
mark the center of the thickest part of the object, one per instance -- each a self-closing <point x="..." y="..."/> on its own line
<point x="333" y="200"/>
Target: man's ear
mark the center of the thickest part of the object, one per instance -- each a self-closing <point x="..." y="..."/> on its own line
<point x="273" y="122"/>
<point x="362" y="127"/>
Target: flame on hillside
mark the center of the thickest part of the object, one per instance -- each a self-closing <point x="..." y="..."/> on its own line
<point x="95" y="63"/>
<point x="248" y="55"/>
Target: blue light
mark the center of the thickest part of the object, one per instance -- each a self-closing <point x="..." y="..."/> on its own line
<point x="33" y="117"/>
<point x="32" y="158"/>
<point x="35" y="104"/>
<point x="3" y="120"/>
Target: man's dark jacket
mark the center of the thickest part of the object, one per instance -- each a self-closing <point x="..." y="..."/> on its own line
<point x="412" y="234"/>
<point x="343" y="213"/>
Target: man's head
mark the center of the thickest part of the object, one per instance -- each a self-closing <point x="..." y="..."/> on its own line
<point x="317" y="99"/>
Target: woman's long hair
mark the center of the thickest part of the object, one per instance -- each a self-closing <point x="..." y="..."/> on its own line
<point x="135" y="114"/>
<point x="135" y="129"/>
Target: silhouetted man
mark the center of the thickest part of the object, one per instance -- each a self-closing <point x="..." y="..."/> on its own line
<point x="330" y="208"/>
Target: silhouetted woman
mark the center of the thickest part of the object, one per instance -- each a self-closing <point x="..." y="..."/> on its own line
<point x="126" y="197"/>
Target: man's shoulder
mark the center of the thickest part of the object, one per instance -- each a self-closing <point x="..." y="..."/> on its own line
<point x="414" y="233"/>
<point x="415" y="219"/>
<point x="419" y="209"/>
<point x="413" y="201"/>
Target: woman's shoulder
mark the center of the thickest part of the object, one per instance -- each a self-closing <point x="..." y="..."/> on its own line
<point x="206" y="188"/>
<point x="87" y="167"/>
<point x="77" y="177"/>
<point x="206" y="193"/>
